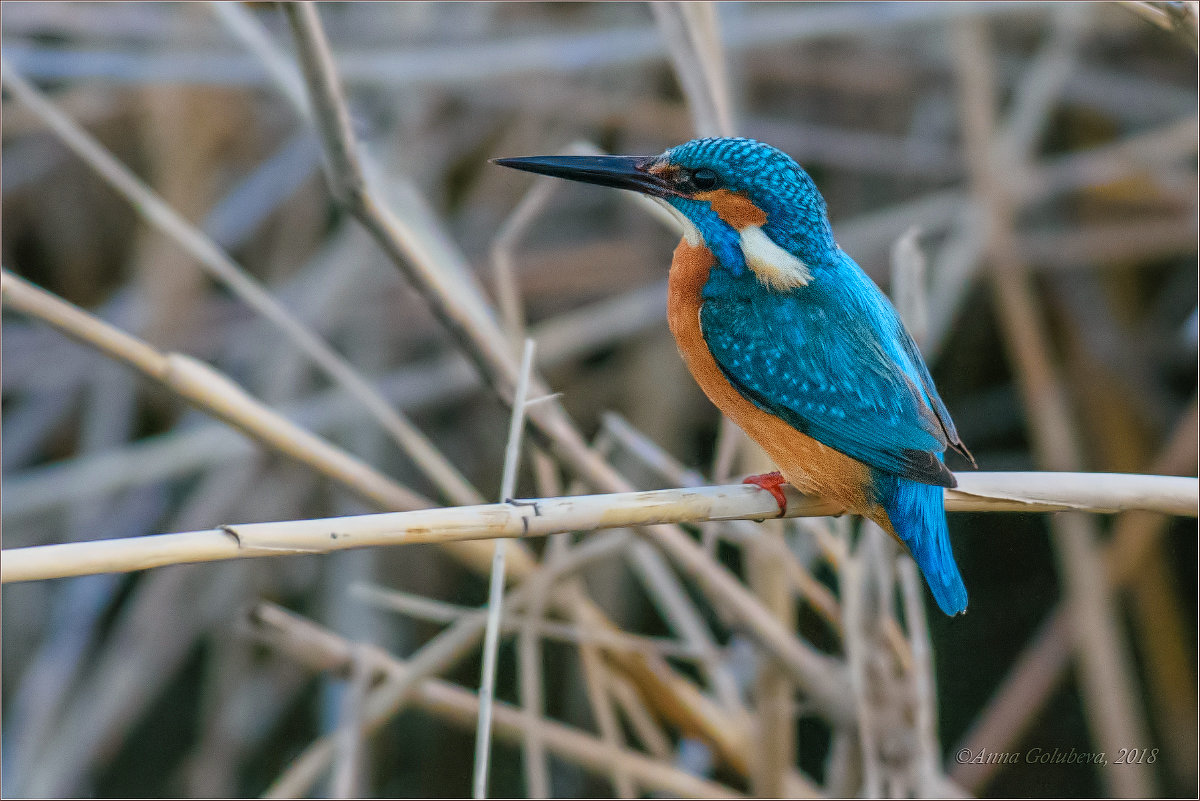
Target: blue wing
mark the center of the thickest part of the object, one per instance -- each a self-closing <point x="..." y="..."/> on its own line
<point x="939" y="408"/>
<point x="819" y="357"/>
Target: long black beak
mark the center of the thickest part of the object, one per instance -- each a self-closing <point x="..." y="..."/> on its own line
<point x="621" y="172"/>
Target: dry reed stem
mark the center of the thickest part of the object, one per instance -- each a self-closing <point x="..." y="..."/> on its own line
<point x="1107" y="673"/>
<point x="216" y="394"/>
<point x="643" y="724"/>
<point x="454" y="643"/>
<point x="210" y="391"/>
<point x="321" y="649"/>
<point x="1164" y="635"/>
<point x="505" y="240"/>
<point x="440" y="275"/>
<point x="654" y="457"/>
<point x="1139" y="541"/>
<point x="162" y="216"/>
<point x="774" y="731"/>
<point x="347" y="767"/>
<point x="247" y="29"/>
<point x="595" y="671"/>
<point x="142" y="651"/>
<point x="1181" y="18"/>
<point x="649" y="452"/>
<point x="671" y="600"/>
<point x="921" y="678"/>
<point x="1041" y="665"/>
<point x="491" y="61"/>
<point x="742" y="533"/>
<point x="429" y="610"/>
<point x="63" y="657"/>
<point x="854" y="583"/>
<point x="910" y="292"/>
<point x="977" y="492"/>
<point x="675" y="699"/>
<point x="386" y="699"/>
<point x="212" y="445"/>
<point x="690" y="32"/>
<point x="1090" y="246"/>
<point x="534" y="759"/>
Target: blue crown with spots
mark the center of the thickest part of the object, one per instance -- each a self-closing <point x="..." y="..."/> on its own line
<point x="796" y="215"/>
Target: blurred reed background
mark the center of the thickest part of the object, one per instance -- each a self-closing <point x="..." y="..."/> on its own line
<point x="1045" y="155"/>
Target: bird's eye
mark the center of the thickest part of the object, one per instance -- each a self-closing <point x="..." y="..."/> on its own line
<point x="704" y="179"/>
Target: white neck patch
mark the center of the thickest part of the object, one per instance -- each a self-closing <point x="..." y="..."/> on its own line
<point x="775" y="267"/>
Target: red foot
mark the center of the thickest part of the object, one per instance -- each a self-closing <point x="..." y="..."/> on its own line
<point x="772" y="483"/>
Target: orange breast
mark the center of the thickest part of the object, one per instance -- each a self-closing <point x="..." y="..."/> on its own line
<point x="811" y="467"/>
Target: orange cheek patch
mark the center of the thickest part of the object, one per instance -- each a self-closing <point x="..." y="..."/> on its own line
<point x="734" y="208"/>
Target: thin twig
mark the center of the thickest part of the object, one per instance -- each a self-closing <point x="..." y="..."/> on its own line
<point x="347" y="769"/>
<point x="534" y="759"/>
<point x="909" y="291"/>
<point x="921" y="679"/>
<point x="491" y="640"/>
<point x="422" y="608"/>
<point x="855" y="581"/>
<point x="253" y="34"/>
<point x="699" y="65"/>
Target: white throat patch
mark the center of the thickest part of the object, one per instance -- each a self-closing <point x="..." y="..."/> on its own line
<point x="690" y="232"/>
<point x="774" y="266"/>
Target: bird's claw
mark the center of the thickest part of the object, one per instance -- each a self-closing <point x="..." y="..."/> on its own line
<point x="772" y="483"/>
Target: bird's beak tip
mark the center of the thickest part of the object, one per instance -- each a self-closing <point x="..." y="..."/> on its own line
<point x="620" y="172"/>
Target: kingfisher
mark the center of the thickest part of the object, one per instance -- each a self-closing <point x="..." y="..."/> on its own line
<point x="789" y="338"/>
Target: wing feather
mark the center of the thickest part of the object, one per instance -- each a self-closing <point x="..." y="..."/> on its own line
<point x="832" y="379"/>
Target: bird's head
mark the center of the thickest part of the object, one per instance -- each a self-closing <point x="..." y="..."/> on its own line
<point x="749" y="203"/>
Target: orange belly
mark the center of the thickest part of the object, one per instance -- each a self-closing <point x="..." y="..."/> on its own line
<point x="811" y="467"/>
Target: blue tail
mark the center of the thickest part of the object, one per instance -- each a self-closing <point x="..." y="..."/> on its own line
<point x="919" y="518"/>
